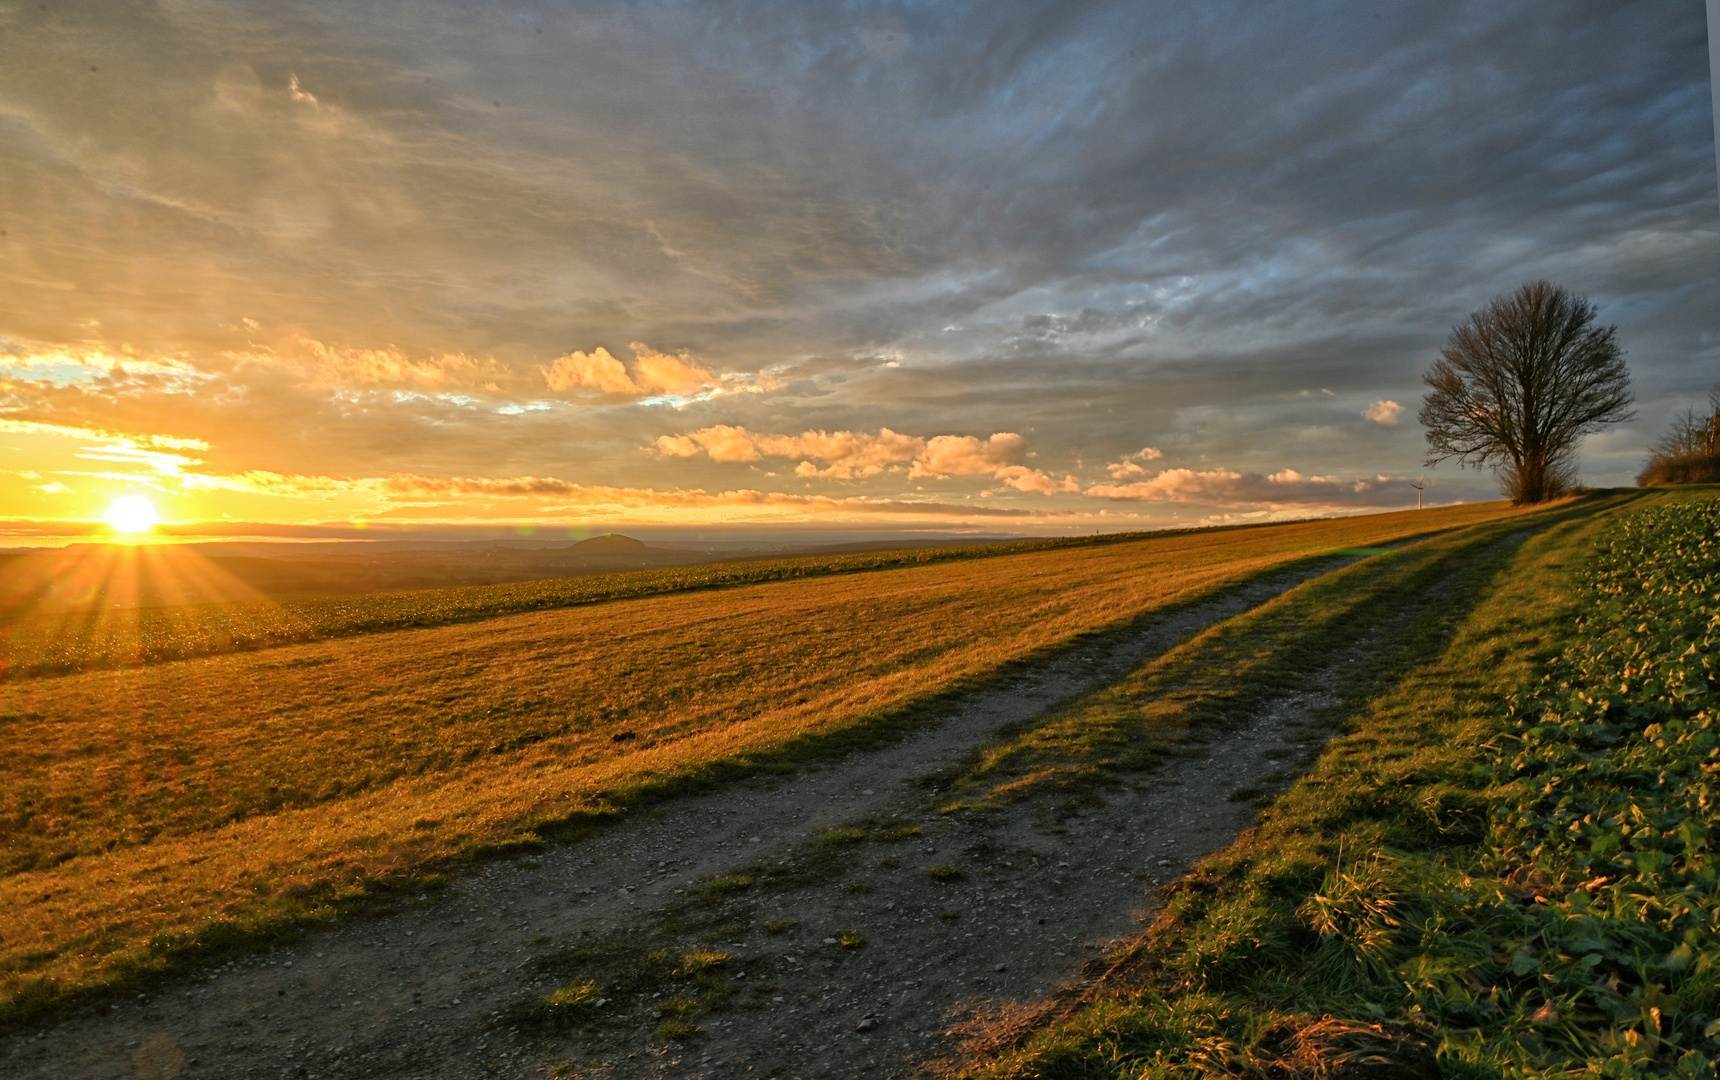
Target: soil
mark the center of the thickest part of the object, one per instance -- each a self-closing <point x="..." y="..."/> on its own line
<point x="443" y="989"/>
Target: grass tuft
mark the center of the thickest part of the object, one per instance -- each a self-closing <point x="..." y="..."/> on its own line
<point x="575" y="997"/>
<point x="724" y="885"/>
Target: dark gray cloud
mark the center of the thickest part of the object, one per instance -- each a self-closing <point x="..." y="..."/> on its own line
<point x="1222" y="229"/>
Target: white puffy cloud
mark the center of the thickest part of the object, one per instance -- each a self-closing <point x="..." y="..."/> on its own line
<point x="1384" y="413"/>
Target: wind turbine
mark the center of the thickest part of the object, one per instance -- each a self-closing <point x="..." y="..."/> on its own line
<point x="1418" y="485"/>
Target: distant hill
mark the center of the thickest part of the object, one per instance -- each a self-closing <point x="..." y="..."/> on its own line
<point x="610" y="544"/>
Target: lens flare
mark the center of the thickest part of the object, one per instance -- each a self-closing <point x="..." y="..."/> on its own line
<point x="132" y="514"/>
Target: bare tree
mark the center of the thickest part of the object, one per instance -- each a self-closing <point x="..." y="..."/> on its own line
<point x="1520" y="384"/>
<point x="1689" y="452"/>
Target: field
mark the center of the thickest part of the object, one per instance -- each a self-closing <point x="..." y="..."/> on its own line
<point x="1506" y="867"/>
<point x="53" y="629"/>
<point x="155" y="813"/>
<point x="80" y="578"/>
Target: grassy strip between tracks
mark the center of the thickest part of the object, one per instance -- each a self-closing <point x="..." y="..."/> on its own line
<point x="1503" y="869"/>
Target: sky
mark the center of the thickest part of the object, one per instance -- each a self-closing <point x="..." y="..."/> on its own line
<point x="993" y="267"/>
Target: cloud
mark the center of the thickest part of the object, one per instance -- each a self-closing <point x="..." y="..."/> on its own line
<point x="722" y="442"/>
<point x="1149" y="217"/>
<point x="303" y="97"/>
<point x="158" y="454"/>
<point x="127" y="452"/>
<point x="1224" y="487"/>
<point x="562" y="496"/>
<point x="1383" y="413"/>
<point x="669" y="374"/>
<point x="965" y="455"/>
<point x="653" y="373"/>
<point x="38" y="427"/>
<point x="596" y="369"/>
<point x="1022" y="478"/>
<point x="321" y="366"/>
<point x="63" y="364"/>
<point x="1129" y="465"/>
<point x="847" y="455"/>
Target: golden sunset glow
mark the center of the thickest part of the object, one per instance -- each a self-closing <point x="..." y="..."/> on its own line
<point x="779" y="297"/>
<point x="132" y="514"/>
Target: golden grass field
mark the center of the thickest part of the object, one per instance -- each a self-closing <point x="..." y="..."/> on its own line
<point x="154" y="812"/>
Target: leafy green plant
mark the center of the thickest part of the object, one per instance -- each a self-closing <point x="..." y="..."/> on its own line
<point x="1506" y="864"/>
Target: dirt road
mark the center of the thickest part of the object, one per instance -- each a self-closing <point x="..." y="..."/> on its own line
<point x="870" y="965"/>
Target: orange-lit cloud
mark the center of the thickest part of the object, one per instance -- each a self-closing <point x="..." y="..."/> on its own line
<point x="653" y="373"/>
<point x="1022" y="478"/>
<point x="78" y="431"/>
<point x="564" y="497"/>
<point x="319" y="365"/>
<point x="597" y="370"/>
<point x="965" y="455"/>
<point x="669" y="374"/>
<point x="127" y="452"/>
<point x="1130" y="464"/>
<point x="846" y="455"/>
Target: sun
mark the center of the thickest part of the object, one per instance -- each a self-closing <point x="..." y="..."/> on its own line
<point x="133" y="514"/>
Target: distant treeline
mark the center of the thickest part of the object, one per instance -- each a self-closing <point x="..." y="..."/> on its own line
<point x="1689" y="453"/>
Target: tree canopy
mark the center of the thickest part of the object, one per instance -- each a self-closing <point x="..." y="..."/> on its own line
<point x="1518" y="386"/>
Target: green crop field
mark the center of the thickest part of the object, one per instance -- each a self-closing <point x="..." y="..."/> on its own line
<point x="1505" y="868"/>
<point x="154" y="813"/>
